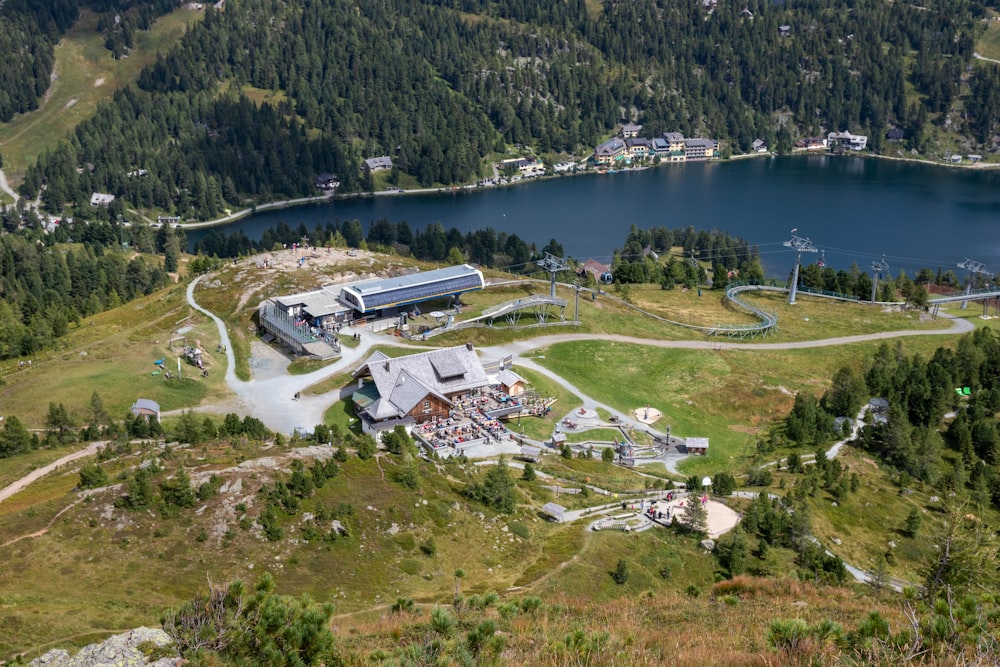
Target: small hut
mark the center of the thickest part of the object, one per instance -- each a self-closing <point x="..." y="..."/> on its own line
<point x="531" y="454"/>
<point x="511" y="382"/>
<point x="146" y="408"/>
<point x="696" y="446"/>
<point x="556" y="512"/>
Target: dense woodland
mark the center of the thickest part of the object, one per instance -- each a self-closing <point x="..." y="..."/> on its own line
<point x="49" y="281"/>
<point x="451" y="82"/>
<point x="963" y="457"/>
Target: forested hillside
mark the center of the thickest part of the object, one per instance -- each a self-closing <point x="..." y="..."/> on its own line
<point x="28" y="33"/>
<point x="441" y="85"/>
<point x="30" y="30"/>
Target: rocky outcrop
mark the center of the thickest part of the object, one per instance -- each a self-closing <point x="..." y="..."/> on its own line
<point x="118" y="651"/>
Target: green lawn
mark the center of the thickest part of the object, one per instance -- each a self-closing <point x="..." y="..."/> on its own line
<point x="85" y="75"/>
<point x="541" y="428"/>
<point x="113" y="353"/>
<point x="729" y="396"/>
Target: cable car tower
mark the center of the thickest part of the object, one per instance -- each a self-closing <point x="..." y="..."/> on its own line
<point x="973" y="267"/>
<point x="799" y="245"/>
<point x="553" y="265"/>
<point x="878" y="269"/>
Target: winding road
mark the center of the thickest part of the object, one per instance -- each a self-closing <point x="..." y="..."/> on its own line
<point x="272" y="399"/>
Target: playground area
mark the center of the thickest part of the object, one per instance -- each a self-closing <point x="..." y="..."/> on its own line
<point x="721" y="518"/>
<point x="647" y="415"/>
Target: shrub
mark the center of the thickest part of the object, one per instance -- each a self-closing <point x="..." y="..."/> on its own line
<point x="692" y="591"/>
<point x="531" y="604"/>
<point x="209" y="488"/>
<point x="520" y="530"/>
<point x="620" y="574"/>
<point x="429" y="547"/>
<point x="787" y="634"/>
<point x="366" y="447"/>
<point x="442" y="622"/>
<point x="244" y="626"/>
<point x="407" y="477"/>
<point x="402" y="605"/>
<point x="92" y="476"/>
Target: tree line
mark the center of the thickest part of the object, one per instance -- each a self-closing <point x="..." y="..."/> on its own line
<point x="46" y="288"/>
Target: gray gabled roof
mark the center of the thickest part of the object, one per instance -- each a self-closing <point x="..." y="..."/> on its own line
<point x="405" y="381"/>
<point x="509" y="378"/>
<point x="553" y="510"/>
<point x="146" y="404"/>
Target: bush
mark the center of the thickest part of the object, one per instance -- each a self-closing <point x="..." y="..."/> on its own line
<point x="209" y="488"/>
<point x="92" y="476"/>
<point x="442" y="622"/>
<point x="247" y="626"/>
<point x="407" y="477"/>
<point x="787" y="634"/>
<point x="757" y="477"/>
<point x="366" y="447"/>
<point x="519" y="529"/>
<point x="620" y="574"/>
<point x="529" y="473"/>
<point x="429" y="547"/>
<point x="692" y="591"/>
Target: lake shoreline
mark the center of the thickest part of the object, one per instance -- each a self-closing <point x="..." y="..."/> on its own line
<point x="455" y="190"/>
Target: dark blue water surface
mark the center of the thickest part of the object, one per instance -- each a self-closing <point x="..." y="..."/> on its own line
<point x="856" y="209"/>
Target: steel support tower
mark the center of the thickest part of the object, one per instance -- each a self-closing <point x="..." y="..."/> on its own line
<point x="878" y="269"/>
<point x="553" y="265"/>
<point x="973" y="267"/>
<point x="799" y="245"/>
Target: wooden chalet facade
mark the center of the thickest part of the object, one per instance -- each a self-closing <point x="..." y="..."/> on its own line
<point x="416" y="388"/>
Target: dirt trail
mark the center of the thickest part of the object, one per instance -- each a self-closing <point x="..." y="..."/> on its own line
<point x="34" y="475"/>
<point x="48" y="526"/>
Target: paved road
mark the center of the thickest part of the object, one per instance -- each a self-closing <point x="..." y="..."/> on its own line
<point x="19" y="485"/>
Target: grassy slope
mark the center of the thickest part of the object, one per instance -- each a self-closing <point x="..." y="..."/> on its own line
<point x="64" y="575"/>
<point x="85" y="75"/>
<point x="112" y="354"/>
<point x="728" y="396"/>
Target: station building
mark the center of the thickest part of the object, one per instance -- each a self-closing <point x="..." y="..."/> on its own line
<point x="298" y="320"/>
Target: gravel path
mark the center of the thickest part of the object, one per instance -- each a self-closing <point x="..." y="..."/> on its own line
<point x="272" y="400"/>
<point x="38" y="473"/>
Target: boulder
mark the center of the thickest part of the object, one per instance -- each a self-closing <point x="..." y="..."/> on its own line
<point x="117" y="651"/>
<point x="708" y="545"/>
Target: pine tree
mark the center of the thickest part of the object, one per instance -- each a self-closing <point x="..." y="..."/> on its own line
<point x="695" y="515"/>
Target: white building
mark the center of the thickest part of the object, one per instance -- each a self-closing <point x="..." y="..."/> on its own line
<point x="101" y="199"/>
<point x="854" y="142"/>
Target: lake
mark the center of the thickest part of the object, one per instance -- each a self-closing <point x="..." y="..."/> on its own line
<point x="855" y="209"/>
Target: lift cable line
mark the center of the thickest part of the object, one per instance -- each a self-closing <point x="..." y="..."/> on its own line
<point x="799" y="245"/>
<point x="553" y="265"/>
<point x="878" y="269"/>
<point x="973" y="267"/>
